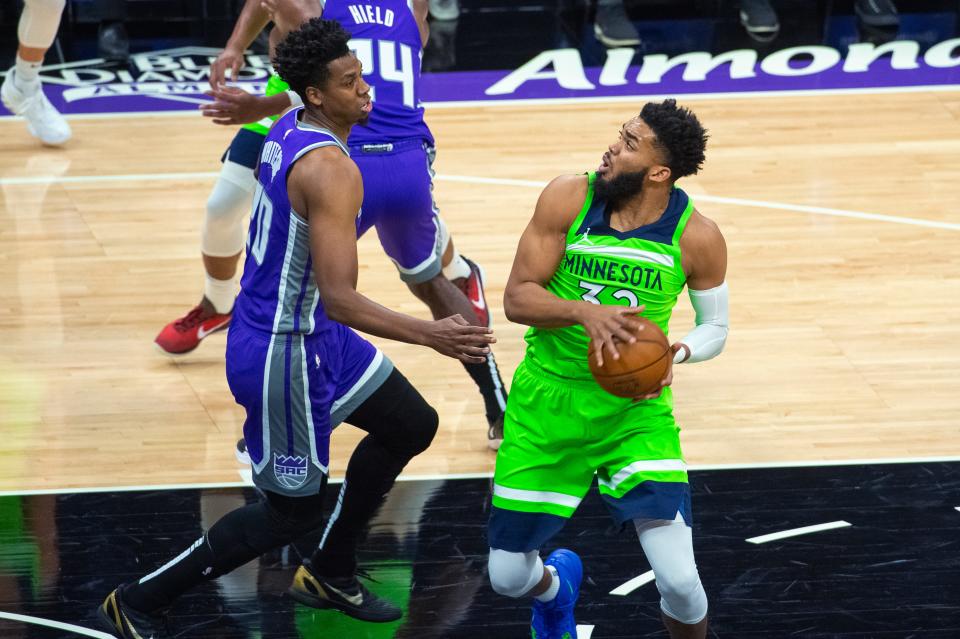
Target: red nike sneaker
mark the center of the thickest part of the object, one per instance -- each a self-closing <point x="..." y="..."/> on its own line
<point x="183" y="335"/>
<point x="472" y="287"/>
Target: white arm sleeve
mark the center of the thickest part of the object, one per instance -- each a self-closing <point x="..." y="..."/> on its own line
<point x="707" y="339"/>
<point x="295" y="99"/>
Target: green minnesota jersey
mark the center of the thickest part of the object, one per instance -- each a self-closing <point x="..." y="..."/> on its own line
<point x="274" y="86"/>
<point x="604" y="266"/>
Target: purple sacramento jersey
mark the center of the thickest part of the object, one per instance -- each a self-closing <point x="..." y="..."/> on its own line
<point x="386" y="39"/>
<point x="295" y="371"/>
<point x="394" y="150"/>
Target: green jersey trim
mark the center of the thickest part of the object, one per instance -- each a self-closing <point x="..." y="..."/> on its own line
<point x="587" y="203"/>
<point x="682" y="223"/>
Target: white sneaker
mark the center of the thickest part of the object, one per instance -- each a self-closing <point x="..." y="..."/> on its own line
<point x="43" y="121"/>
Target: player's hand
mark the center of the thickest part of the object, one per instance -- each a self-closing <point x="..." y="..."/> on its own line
<point x="454" y="337"/>
<point x="230" y="59"/>
<point x="606" y="325"/>
<point x="667" y="379"/>
<point x="231" y="105"/>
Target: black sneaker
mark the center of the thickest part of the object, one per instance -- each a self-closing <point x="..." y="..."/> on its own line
<point x="348" y="596"/>
<point x="124" y="622"/>
<point x="241" y="452"/>
<point x="759" y="19"/>
<point x="613" y="27"/>
<point x="877" y="13"/>
<point x="113" y="44"/>
<point x="495" y="433"/>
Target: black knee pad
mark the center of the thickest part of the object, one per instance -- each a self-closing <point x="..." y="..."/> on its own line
<point x="419" y="422"/>
<point x="398" y="417"/>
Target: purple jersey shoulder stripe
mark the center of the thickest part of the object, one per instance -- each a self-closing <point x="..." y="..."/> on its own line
<point x="278" y="291"/>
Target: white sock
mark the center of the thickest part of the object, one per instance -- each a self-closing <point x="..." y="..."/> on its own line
<point x="551" y="592"/>
<point x="26" y="76"/>
<point x="457" y="267"/>
<point x="221" y="293"/>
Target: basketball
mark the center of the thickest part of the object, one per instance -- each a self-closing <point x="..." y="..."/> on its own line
<point x="641" y="366"/>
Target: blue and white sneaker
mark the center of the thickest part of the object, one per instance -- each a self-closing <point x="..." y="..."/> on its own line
<point x="554" y="619"/>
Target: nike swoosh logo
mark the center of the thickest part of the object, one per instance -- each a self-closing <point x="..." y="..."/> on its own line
<point x="356" y="600"/>
<point x="201" y="333"/>
<point x="478" y="301"/>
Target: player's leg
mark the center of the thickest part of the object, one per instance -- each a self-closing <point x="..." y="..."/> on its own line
<point x="398" y="200"/>
<point x="373" y="396"/>
<point x="541" y="477"/>
<point x="21" y="91"/>
<point x="291" y="473"/>
<point x="224" y="235"/>
<point x="668" y="546"/>
<point x="238" y="537"/>
<point x="643" y="478"/>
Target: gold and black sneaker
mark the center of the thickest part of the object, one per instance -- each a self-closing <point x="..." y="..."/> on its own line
<point x="348" y="596"/>
<point x="124" y="622"/>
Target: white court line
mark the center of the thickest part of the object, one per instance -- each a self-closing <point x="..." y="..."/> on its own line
<point x="616" y="99"/>
<point x="957" y="508"/>
<point x="799" y="208"/>
<point x="472" y="179"/>
<point x="246" y="481"/>
<point x="486" y="475"/>
<point x="794" y="532"/>
<point x="124" y="177"/>
<point x="584" y="632"/>
<point x="816" y="463"/>
<point x="820" y="210"/>
<point x="626" y="588"/>
<point x="49" y="623"/>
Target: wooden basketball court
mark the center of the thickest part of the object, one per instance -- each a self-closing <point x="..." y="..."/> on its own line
<point x="845" y="327"/>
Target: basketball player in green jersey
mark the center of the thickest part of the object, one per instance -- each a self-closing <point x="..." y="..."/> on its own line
<point x="600" y="249"/>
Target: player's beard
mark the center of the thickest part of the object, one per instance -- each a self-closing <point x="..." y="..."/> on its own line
<point x="619" y="189"/>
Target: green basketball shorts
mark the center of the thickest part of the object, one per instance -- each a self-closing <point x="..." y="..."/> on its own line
<point x="558" y="434"/>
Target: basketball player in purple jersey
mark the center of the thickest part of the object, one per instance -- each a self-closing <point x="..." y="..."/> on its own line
<point x="394" y="151"/>
<point x="296" y="367"/>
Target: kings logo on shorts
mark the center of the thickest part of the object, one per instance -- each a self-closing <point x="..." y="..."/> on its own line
<point x="290" y="470"/>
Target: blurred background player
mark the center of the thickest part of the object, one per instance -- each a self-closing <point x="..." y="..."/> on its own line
<point x="613" y="27"/>
<point x="759" y="17"/>
<point x="394" y="151"/>
<point x="561" y="428"/>
<point x="297" y="367"/>
<point x="21" y="91"/>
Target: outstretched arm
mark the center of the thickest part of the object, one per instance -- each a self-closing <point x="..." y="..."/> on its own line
<point x="326" y="187"/>
<point x="526" y="298"/>
<point x="231" y="105"/>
